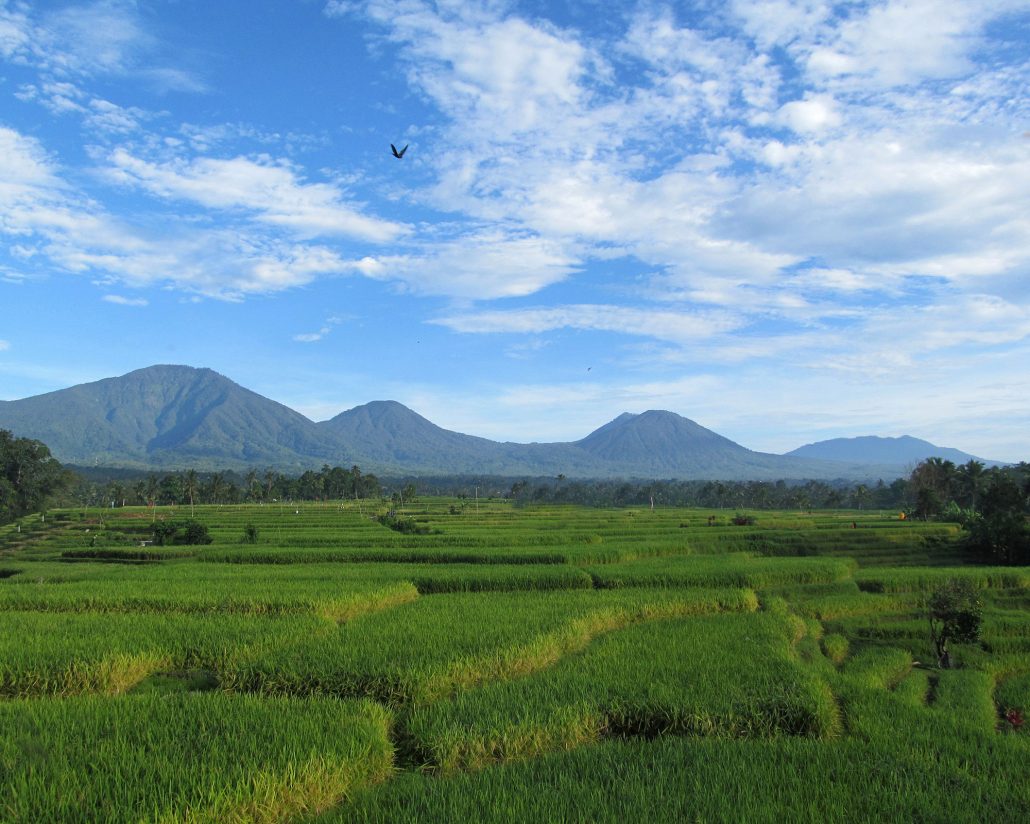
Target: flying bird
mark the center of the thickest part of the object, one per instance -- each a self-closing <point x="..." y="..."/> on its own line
<point x="399" y="154"/>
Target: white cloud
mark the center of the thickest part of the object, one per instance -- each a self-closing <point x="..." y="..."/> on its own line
<point x="55" y="223"/>
<point x="900" y="42"/>
<point x="661" y="324"/>
<point x="813" y="114"/>
<point x="15" y="32"/>
<point x="837" y="280"/>
<point x="480" y="266"/>
<point x="271" y="190"/>
<point x="62" y="97"/>
<point x="4" y="345"/>
<point x="497" y="72"/>
<point x="780" y="22"/>
<point x="110" y="117"/>
<point x="101" y="38"/>
<point x="880" y="198"/>
<point x="313" y="337"/>
<point x="121" y="300"/>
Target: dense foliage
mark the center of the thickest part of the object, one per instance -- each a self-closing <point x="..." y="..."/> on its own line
<point x="186" y="533"/>
<point x="29" y="476"/>
<point x="992" y="505"/>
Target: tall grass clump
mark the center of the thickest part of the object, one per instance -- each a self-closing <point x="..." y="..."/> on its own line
<point x="198" y="758"/>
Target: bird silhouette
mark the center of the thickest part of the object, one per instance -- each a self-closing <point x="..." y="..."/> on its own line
<point x="399" y="154"/>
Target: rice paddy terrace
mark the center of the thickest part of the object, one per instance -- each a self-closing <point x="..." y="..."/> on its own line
<point x="496" y="663"/>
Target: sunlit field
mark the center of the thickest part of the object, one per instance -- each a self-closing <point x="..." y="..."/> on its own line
<point x="502" y="663"/>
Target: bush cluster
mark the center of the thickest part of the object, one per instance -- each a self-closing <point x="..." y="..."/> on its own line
<point x="397" y="523"/>
<point x="186" y="533"/>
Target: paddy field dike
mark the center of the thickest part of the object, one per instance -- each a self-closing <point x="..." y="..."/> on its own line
<point x="503" y="664"/>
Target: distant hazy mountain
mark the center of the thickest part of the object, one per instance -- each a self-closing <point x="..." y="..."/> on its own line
<point x="870" y="449"/>
<point x="664" y="444"/>
<point x="165" y="417"/>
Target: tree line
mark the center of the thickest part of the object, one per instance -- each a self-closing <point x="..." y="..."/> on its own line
<point x="190" y="487"/>
<point x="992" y="505"/>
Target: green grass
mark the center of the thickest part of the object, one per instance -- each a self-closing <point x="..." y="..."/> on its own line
<point x="741" y="570"/>
<point x="546" y="663"/>
<point x="926" y="580"/>
<point x="62" y="653"/>
<point x="686" y="679"/>
<point x="672" y="779"/>
<point x="463" y="640"/>
<point x="185" y="757"/>
<point x="1014" y="693"/>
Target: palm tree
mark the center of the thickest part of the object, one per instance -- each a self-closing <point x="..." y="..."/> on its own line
<point x="151" y="487"/>
<point x="189" y="486"/>
<point x="251" y="482"/>
<point x="970" y="478"/>
<point x="217" y="487"/>
<point x="942" y="475"/>
<point x="861" y="495"/>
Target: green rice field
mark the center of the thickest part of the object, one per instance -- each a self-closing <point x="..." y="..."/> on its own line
<point x="503" y="664"/>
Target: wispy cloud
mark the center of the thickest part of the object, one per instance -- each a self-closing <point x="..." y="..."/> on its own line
<point x="55" y="223"/>
<point x="121" y="300"/>
<point x="105" y="37"/>
<point x="661" y="324"/>
<point x="314" y="337"/>
<point x="480" y="265"/>
<point x="269" y="189"/>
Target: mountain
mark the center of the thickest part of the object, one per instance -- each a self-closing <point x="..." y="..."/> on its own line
<point x="169" y="417"/>
<point x="904" y="451"/>
<point x="389" y="435"/>
<point x="663" y="444"/>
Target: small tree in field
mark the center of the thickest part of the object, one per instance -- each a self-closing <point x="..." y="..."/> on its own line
<point x="955" y="612"/>
<point x="195" y="533"/>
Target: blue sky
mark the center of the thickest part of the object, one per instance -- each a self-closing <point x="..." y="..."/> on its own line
<point x="787" y="220"/>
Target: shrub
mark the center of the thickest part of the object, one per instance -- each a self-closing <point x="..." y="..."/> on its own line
<point x="250" y="534"/>
<point x="956" y="612"/>
<point x="192" y="532"/>
<point x="165" y="532"/>
<point x="740" y="519"/>
<point x="407" y="526"/>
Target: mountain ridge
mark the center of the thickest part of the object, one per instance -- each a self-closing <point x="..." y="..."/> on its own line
<point x="903" y="450"/>
<point x="171" y="416"/>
